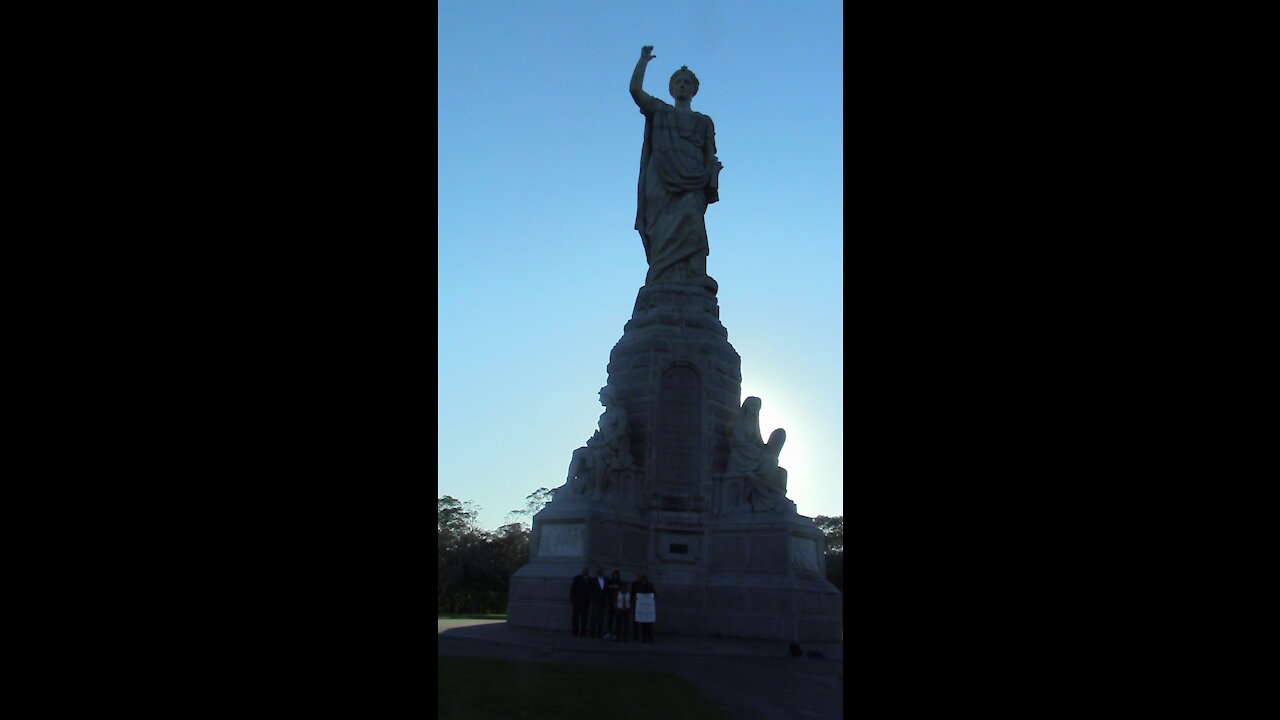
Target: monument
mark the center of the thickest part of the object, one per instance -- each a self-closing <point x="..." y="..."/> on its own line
<point x="677" y="481"/>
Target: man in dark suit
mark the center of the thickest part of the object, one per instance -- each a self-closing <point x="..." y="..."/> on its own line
<point x="599" y="599"/>
<point x="580" y="596"/>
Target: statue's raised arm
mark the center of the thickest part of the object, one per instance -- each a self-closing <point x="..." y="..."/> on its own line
<point x="637" y="76"/>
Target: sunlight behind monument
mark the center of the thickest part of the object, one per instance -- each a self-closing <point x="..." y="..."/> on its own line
<point x="678" y="481"/>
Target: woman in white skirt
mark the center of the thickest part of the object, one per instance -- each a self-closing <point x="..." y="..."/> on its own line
<point x="621" y="613"/>
<point x="645" y="608"/>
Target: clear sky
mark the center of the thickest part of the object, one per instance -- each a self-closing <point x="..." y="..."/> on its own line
<point x="539" y="263"/>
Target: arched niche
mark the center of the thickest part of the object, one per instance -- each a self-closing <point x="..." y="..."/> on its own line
<point x="678" y="436"/>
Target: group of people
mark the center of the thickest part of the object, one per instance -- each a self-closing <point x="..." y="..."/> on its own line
<point x="611" y="608"/>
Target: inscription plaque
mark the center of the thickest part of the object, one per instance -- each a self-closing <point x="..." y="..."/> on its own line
<point x="804" y="553"/>
<point x="562" y="539"/>
<point x="679" y="430"/>
<point x="679" y="547"/>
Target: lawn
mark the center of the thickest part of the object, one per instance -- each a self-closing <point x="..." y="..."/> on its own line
<point x="497" y="689"/>
<point x="465" y="616"/>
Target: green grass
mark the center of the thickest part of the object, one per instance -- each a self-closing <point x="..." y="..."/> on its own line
<point x="498" y="689"/>
<point x="472" y="616"/>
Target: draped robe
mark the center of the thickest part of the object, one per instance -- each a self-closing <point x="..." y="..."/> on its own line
<point x="757" y="460"/>
<point x="677" y="182"/>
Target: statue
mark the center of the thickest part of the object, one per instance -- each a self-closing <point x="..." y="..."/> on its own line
<point x="679" y="177"/>
<point x="606" y="453"/>
<point x="757" y="460"/>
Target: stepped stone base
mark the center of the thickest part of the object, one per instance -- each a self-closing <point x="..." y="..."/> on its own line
<point x="745" y="576"/>
<point x="718" y="567"/>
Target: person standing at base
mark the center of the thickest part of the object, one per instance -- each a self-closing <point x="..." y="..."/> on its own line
<point x="621" y="613"/>
<point x="598" y="602"/>
<point x="635" y="626"/>
<point x="611" y="603"/>
<point x="645" y="608"/>
<point x="580" y="597"/>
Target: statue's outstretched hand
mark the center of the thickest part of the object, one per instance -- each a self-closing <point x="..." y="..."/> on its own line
<point x="646" y="53"/>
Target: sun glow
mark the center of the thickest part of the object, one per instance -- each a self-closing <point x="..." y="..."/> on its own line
<point x="777" y="410"/>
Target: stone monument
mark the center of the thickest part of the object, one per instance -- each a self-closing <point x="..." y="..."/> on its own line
<point x="677" y="481"/>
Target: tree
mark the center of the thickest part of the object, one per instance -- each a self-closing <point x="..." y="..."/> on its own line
<point x="833" y="529"/>
<point x="474" y="566"/>
<point x="456" y="538"/>
<point x="533" y="504"/>
<point x="454" y="517"/>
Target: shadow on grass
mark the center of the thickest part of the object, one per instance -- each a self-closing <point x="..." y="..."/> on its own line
<point x="485" y="688"/>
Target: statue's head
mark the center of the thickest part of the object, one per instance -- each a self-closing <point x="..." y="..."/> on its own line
<point x="684" y="84"/>
<point x="751" y="405"/>
<point x="606" y="395"/>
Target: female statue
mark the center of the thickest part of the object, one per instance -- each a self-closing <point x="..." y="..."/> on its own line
<point x="679" y="177"/>
<point x="757" y="460"/>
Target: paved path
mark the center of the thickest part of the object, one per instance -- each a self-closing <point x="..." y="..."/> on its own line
<point x="748" y="679"/>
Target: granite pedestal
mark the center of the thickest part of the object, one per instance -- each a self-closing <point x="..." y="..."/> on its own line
<point x="720" y="564"/>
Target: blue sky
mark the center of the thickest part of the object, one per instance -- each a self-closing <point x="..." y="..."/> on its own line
<point x="539" y="264"/>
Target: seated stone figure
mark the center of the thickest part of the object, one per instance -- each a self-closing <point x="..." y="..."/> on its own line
<point x="756" y="460"/>
<point x="606" y="453"/>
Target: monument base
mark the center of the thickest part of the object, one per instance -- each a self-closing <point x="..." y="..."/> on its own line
<point x="747" y="575"/>
<point x="727" y="553"/>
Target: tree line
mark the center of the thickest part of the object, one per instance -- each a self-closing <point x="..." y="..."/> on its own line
<point x="474" y="566"/>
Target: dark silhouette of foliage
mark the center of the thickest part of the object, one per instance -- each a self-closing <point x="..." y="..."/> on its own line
<point x="473" y="565"/>
<point x="533" y="505"/>
<point x="833" y="529"/>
